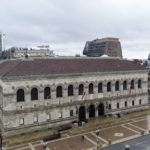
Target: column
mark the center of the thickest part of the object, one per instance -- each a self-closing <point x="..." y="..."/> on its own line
<point x="96" y="110"/>
<point x="87" y="111"/>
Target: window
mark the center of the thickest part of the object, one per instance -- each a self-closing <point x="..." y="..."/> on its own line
<point x="49" y="116"/>
<point x="118" y="106"/>
<point x="140" y="102"/>
<point x="100" y="88"/>
<point x="20" y="95"/>
<point x="34" y="94"/>
<point x="47" y="93"/>
<point x="35" y="119"/>
<point x="71" y="113"/>
<point x="139" y="83"/>
<point x="59" y="91"/>
<point x="125" y="104"/>
<point x="70" y="90"/>
<point x="21" y="121"/>
<point x="91" y="89"/>
<point x="109" y="87"/>
<point x="117" y="86"/>
<point x="109" y="106"/>
<point x="125" y="85"/>
<point x="60" y="115"/>
<point x="132" y="84"/>
<point x="81" y="89"/>
<point x="133" y="103"/>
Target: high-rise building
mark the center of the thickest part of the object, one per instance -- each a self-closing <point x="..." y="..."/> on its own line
<point x="104" y="46"/>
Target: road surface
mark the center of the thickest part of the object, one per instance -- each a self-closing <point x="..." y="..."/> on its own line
<point x="141" y="143"/>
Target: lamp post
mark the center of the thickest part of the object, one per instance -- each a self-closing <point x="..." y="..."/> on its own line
<point x="44" y="146"/>
<point x="127" y="147"/>
<point x="1" y="142"/>
<point x="97" y="138"/>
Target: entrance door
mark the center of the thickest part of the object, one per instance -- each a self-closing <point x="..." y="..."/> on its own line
<point x="91" y="111"/>
<point x="101" y="109"/>
<point x="82" y="113"/>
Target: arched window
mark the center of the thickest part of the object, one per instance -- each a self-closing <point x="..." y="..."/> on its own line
<point x="109" y="87"/>
<point x="47" y="93"/>
<point x="70" y="90"/>
<point x="91" y="88"/>
<point x="100" y="87"/>
<point x="34" y="94"/>
<point x="140" y="101"/>
<point x="81" y="89"/>
<point x="117" y="86"/>
<point x="139" y="83"/>
<point x="133" y="103"/>
<point x="132" y="84"/>
<point x="109" y="106"/>
<point x="148" y="92"/>
<point x="118" y="105"/>
<point x="125" y="104"/>
<point x="124" y="85"/>
<point x="20" y="95"/>
<point x="59" y="91"/>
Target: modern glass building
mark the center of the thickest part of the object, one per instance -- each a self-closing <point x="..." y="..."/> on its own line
<point x="104" y="46"/>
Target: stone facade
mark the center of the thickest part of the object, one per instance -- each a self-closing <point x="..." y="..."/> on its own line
<point x="46" y="112"/>
<point x="18" y="53"/>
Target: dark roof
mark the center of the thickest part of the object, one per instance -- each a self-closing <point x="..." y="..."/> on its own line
<point x="65" y="66"/>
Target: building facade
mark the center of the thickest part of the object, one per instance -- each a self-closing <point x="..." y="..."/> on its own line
<point x="41" y="94"/>
<point x="104" y="46"/>
<point x="19" y="53"/>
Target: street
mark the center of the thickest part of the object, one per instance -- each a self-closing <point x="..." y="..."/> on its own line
<point x="141" y="143"/>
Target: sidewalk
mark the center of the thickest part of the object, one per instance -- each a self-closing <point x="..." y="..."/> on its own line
<point x="102" y="123"/>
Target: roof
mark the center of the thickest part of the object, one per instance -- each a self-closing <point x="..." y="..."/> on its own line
<point x="65" y="66"/>
<point x="106" y="39"/>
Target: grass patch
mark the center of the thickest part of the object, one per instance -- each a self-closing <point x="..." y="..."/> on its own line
<point x="25" y="138"/>
<point x="93" y="124"/>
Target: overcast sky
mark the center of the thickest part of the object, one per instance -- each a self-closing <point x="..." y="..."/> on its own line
<point x="67" y="24"/>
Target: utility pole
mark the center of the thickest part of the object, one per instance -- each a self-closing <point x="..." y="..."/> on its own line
<point x="1" y="47"/>
<point x="2" y="42"/>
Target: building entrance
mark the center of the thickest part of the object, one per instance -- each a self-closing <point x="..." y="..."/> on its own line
<point x="101" y="109"/>
<point x="82" y="113"/>
<point x="91" y="111"/>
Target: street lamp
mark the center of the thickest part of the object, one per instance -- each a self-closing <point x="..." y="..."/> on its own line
<point x="127" y="147"/>
<point x="97" y="138"/>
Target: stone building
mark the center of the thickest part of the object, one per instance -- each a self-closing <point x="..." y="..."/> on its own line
<point x="40" y="94"/>
<point x="19" y="53"/>
<point x="105" y="46"/>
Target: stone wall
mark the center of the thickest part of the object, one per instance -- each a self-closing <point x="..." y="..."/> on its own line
<point x="57" y="110"/>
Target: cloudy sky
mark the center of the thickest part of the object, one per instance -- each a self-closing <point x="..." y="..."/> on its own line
<point x="67" y="24"/>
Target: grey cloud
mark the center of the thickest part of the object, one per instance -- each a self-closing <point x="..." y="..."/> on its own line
<point x="67" y="24"/>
